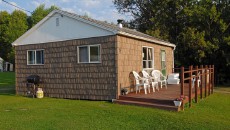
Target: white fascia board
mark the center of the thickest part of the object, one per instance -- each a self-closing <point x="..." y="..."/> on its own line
<point x="147" y="39"/>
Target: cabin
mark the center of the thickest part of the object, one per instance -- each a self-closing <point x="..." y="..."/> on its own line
<point x="83" y="58"/>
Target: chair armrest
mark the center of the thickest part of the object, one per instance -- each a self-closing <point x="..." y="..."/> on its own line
<point x="163" y="77"/>
<point x="144" y="80"/>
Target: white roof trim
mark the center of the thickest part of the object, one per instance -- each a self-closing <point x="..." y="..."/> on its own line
<point x="147" y="39"/>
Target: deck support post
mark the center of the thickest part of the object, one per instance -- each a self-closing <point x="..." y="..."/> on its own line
<point x="209" y="79"/>
<point x="190" y="86"/>
<point x="182" y="81"/>
<point x="196" y="84"/>
<point x="201" y="79"/>
<point x="205" y="82"/>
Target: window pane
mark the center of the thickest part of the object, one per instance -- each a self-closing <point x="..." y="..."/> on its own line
<point x="163" y="55"/>
<point x="83" y="54"/>
<point x="144" y="64"/>
<point x="150" y="65"/>
<point x="94" y="53"/>
<point x="31" y="57"/>
<point x="40" y="57"/>
<point x="150" y="57"/>
<point x="144" y="54"/>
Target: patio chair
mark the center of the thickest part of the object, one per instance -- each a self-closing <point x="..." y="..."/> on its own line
<point x="194" y="79"/>
<point x="139" y="81"/>
<point x="154" y="84"/>
<point x="159" y="77"/>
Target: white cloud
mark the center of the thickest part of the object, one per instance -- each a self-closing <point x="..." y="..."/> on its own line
<point x="35" y="3"/>
<point x="13" y="3"/>
<point x="69" y="10"/>
<point x="91" y="3"/>
<point x="65" y="1"/>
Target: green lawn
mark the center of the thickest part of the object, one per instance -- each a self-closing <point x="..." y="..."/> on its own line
<point x="7" y="79"/>
<point x="7" y="82"/>
<point x="17" y="112"/>
<point x="222" y="88"/>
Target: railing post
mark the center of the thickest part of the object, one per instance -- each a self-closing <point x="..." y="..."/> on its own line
<point x="182" y="81"/>
<point x="196" y="84"/>
<point x="213" y="79"/>
<point x="182" y="85"/>
<point x="205" y="82"/>
<point x="210" y="79"/>
<point x="201" y="86"/>
<point x="190" y="86"/>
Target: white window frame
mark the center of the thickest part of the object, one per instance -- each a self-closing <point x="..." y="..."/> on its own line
<point x="151" y="67"/>
<point x="35" y="56"/>
<point x="88" y="49"/>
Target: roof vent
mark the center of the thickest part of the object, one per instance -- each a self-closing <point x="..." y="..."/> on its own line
<point x="119" y="22"/>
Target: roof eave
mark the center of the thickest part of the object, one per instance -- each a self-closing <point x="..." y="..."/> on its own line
<point x="147" y="39"/>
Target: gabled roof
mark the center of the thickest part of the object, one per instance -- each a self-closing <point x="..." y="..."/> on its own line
<point x="114" y="29"/>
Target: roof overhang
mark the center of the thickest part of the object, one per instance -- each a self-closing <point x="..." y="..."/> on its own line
<point x="147" y="39"/>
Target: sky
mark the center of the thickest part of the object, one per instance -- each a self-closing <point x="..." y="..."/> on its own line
<point x="103" y="10"/>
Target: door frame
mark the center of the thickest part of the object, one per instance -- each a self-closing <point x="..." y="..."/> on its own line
<point x="163" y="66"/>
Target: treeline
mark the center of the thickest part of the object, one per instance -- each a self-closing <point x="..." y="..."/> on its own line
<point x="13" y="25"/>
<point x="199" y="28"/>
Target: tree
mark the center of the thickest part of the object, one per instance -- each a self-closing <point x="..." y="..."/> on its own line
<point x="12" y="26"/>
<point x="39" y="13"/>
<point x="4" y="22"/>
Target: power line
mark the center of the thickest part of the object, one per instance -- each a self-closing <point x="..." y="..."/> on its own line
<point x="16" y="6"/>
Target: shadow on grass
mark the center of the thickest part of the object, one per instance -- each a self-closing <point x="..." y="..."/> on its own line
<point x="7" y="91"/>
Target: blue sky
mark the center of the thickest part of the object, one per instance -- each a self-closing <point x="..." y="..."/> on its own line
<point x="97" y="9"/>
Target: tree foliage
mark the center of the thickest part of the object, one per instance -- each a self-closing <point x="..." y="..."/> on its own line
<point x="39" y="13"/>
<point x="199" y="28"/>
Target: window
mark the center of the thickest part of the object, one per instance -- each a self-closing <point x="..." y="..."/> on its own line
<point x="35" y="57"/>
<point x="89" y="54"/>
<point x="147" y="55"/>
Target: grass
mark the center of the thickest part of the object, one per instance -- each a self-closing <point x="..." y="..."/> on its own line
<point x="7" y="79"/>
<point x="17" y="112"/>
<point x="223" y="88"/>
<point x="7" y="82"/>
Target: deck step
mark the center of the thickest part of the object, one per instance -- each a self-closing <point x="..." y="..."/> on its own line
<point x="147" y="100"/>
<point x="146" y="104"/>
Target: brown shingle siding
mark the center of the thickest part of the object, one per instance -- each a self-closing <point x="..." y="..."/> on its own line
<point x="63" y="76"/>
<point x="129" y="57"/>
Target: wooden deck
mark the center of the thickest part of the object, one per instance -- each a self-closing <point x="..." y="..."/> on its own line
<point x="162" y="99"/>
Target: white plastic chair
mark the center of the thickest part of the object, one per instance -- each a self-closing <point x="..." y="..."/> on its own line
<point x="154" y="84"/>
<point x="159" y="77"/>
<point x="194" y="79"/>
<point x="144" y="82"/>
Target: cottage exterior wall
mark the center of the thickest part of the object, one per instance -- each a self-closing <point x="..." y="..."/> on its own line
<point x="129" y="58"/>
<point x="63" y="76"/>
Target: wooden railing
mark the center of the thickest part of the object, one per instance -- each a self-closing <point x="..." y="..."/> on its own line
<point x="203" y="73"/>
